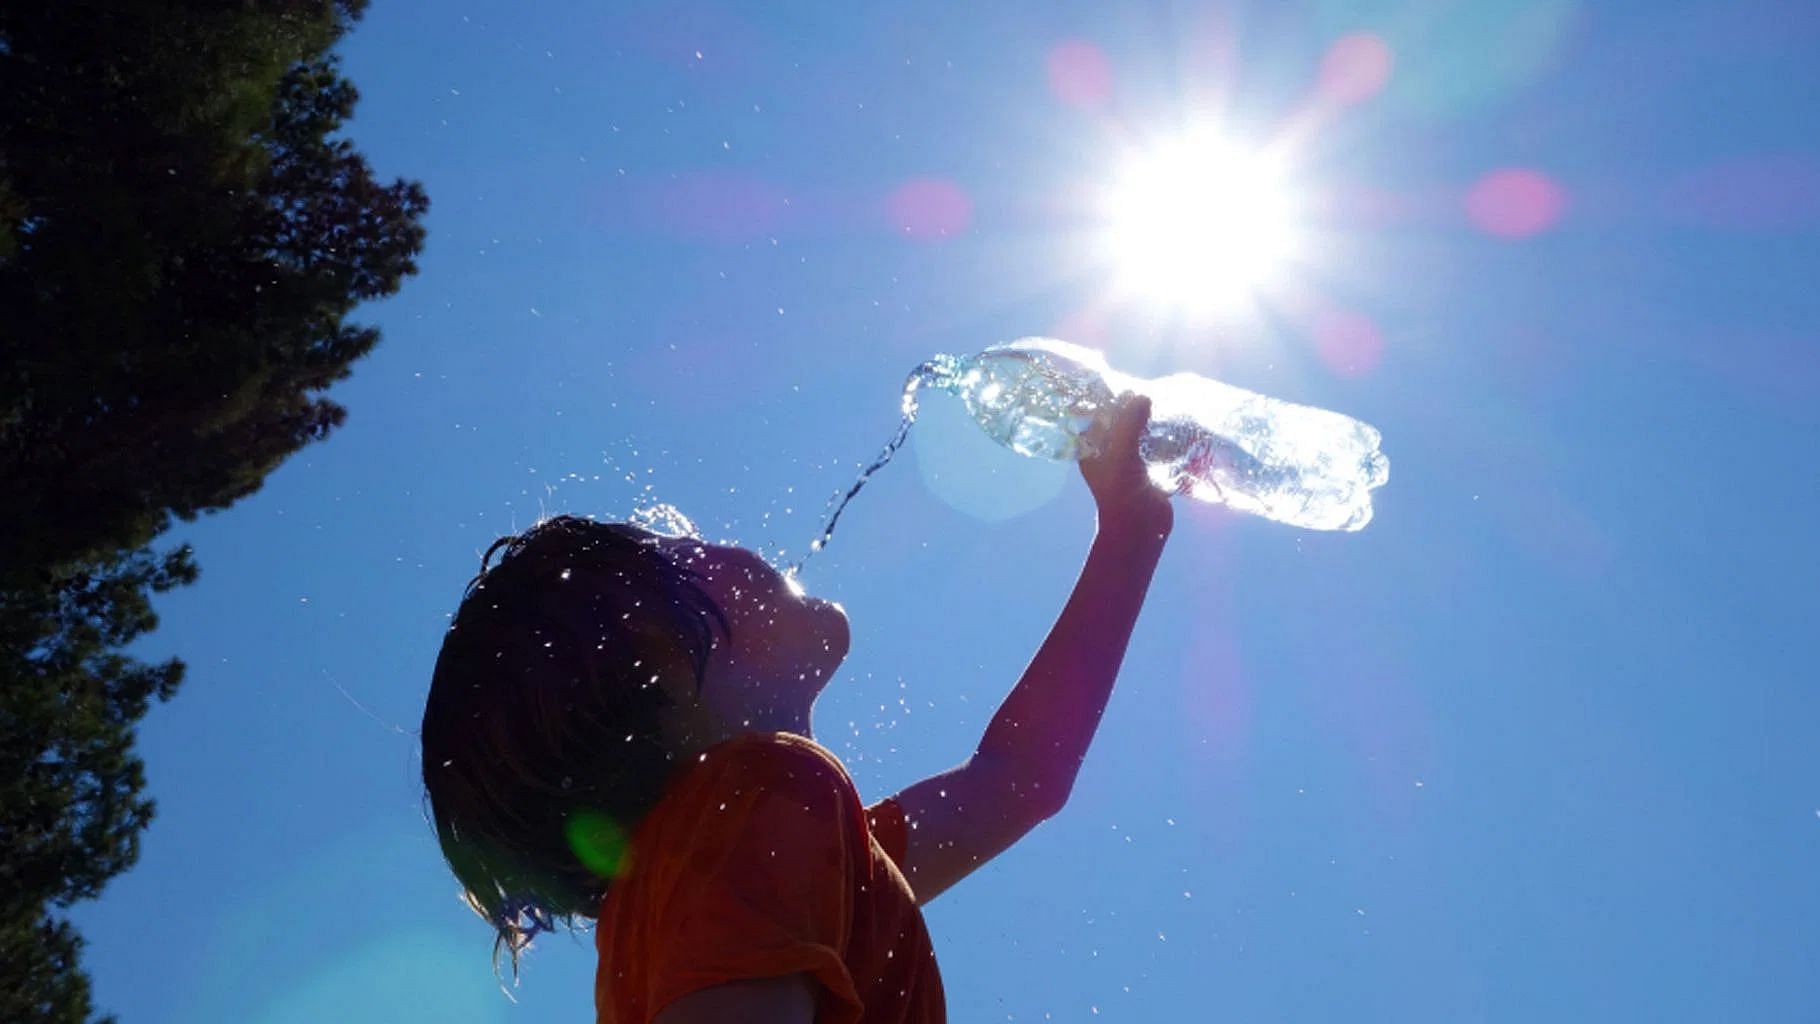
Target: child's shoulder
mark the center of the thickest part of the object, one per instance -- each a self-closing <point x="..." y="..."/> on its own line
<point x="776" y="752"/>
<point x="778" y="760"/>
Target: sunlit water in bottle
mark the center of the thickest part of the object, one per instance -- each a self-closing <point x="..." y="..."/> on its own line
<point x="1040" y="397"/>
<point x="1292" y="463"/>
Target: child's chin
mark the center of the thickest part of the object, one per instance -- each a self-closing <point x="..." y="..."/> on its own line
<point x="836" y="634"/>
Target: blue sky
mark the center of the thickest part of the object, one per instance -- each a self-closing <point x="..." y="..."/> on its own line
<point x="1537" y="744"/>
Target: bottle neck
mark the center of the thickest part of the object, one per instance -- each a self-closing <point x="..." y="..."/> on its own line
<point x="943" y="373"/>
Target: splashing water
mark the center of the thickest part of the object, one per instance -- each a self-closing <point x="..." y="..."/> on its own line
<point x="665" y="520"/>
<point x="941" y="372"/>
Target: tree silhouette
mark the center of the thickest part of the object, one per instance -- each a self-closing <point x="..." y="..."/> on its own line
<point x="182" y="236"/>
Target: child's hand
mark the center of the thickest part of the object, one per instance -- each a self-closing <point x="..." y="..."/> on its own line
<point x="1117" y="476"/>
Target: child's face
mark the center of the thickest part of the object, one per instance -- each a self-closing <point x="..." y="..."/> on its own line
<point x="783" y="645"/>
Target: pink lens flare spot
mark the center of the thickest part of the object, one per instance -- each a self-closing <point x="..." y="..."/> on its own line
<point x="929" y="209"/>
<point x="1355" y="69"/>
<point x="1349" y="343"/>
<point x="1080" y="75"/>
<point x="1086" y="326"/>
<point x="1515" y="202"/>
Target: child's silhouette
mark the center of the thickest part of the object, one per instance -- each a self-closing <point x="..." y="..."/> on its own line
<point x="618" y="729"/>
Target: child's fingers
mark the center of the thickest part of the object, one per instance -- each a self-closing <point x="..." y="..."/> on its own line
<point x="1134" y="415"/>
<point x="1138" y="408"/>
<point x="1117" y="435"/>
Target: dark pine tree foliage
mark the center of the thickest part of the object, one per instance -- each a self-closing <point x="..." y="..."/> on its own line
<point x="182" y="236"/>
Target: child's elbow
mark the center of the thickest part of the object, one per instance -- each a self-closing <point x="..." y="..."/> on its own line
<point x="1047" y="798"/>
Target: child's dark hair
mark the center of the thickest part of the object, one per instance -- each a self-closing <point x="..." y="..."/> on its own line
<point x="542" y="742"/>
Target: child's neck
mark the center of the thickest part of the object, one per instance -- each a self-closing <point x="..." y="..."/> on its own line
<point x="693" y="728"/>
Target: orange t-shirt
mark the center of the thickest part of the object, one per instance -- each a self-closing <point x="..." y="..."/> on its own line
<point x="759" y="861"/>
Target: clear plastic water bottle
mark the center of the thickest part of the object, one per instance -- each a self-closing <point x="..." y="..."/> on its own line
<point x="1292" y="463"/>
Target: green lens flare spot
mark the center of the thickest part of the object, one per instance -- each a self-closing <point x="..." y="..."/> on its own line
<point x="598" y="842"/>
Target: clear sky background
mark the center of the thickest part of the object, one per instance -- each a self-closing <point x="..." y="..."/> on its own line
<point x="1538" y="744"/>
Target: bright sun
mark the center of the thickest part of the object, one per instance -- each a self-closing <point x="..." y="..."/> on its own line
<point x="1197" y="227"/>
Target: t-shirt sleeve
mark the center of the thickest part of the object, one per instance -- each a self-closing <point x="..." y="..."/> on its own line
<point x="766" y="885"/>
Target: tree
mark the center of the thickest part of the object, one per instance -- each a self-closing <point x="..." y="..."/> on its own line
<point x="182" y="237"/>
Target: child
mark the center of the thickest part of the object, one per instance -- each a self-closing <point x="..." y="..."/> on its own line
<point x="618" y="729"/>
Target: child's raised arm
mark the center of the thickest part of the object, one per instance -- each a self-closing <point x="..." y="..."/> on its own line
<point x="1027" y="760"/>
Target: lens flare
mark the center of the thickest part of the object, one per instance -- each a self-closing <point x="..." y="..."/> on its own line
<point x="1348" y="342"/>
<point x="930" y="209"/>
<point x="1355" y="69"/>
<point x="598" y="842"/>
<point x="1080" y="75"/>
<point x="1515" y="202"/>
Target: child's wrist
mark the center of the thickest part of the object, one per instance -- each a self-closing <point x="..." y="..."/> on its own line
<point x="1149" y="515"/>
